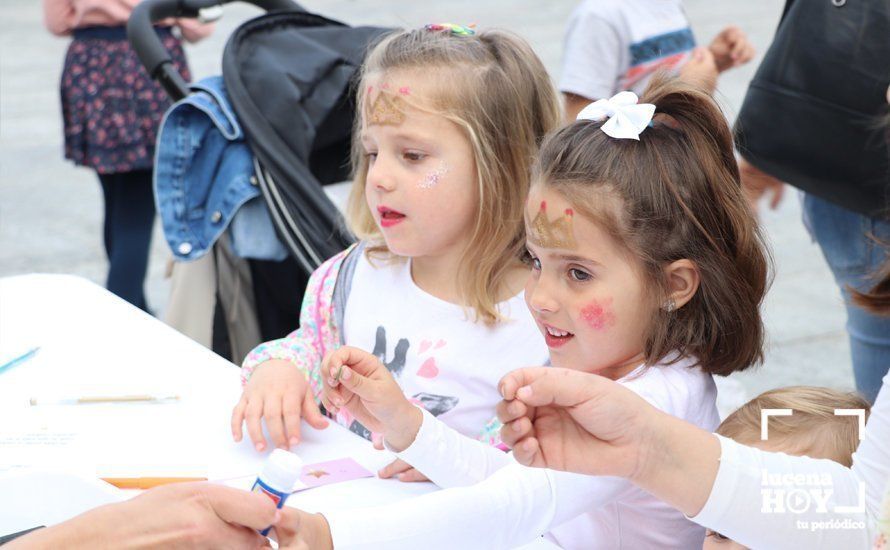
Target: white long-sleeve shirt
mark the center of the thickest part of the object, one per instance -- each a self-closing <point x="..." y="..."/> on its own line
<point x="772" y="500"/>
<point x="494" y="502"/>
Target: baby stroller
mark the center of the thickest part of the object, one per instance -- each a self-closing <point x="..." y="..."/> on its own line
<point x="288" y="76"/>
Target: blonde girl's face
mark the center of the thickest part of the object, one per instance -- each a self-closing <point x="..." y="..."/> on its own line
<point x="421" y="184"/>
<point x="585" y="294"/>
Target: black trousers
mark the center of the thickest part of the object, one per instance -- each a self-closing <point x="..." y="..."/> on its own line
<point x="129" y="216"/>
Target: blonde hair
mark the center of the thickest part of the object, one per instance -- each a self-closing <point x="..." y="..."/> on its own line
<point x="494" y="87"/>
<point x="813" y="429"/>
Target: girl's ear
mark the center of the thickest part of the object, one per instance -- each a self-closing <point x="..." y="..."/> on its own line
<point x="682" y="279"/>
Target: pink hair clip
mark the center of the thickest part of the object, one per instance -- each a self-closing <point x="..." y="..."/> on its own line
<point x="457" y="30"/>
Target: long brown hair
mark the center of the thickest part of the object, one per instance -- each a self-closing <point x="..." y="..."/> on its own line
<point x="494" y="87"/>
<point x="877" y="299"/>
<point x="674" y="194"/>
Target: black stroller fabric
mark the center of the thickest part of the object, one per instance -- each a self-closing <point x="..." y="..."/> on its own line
<point x="289" y="77"/>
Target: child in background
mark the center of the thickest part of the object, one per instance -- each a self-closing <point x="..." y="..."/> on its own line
<point x="648" y="269"/>
<point x="111" y="110"/>
<point x="813" y="430"/>
<point x="614" y="45"/>
<point x="448" y="124"/>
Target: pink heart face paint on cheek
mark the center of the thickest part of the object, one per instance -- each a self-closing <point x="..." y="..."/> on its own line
<point x="598" y="314"/>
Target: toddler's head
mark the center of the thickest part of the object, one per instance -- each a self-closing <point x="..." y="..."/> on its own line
<point x="813" y="429"/>
<point x="646" y="250"/>
<point x="448" y="123"/>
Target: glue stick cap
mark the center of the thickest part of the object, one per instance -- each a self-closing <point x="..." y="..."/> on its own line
<point x="282" y="470"/>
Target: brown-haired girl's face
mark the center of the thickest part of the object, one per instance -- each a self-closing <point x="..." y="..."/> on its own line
<point x="421" y="182"/>
<point x="588" y="299"/>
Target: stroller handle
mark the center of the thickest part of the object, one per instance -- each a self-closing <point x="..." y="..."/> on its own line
<point x="151" y="51"/>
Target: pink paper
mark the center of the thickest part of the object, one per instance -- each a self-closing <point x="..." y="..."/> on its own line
<point x="332" y="471"/>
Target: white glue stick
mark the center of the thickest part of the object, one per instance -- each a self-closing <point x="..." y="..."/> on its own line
<point x="279" y="478"/>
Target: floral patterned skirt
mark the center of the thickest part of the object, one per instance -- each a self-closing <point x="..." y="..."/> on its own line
<point x="110" y="106"/>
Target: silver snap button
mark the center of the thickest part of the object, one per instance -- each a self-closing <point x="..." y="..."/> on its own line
<point x="185" y="248"/>
<point x="216" y="216"/>
<point x="838" y="3"/>
<point x="253" y="181"/>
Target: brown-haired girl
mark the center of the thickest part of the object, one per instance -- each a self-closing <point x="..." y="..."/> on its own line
<point x="448" y="123"/>
<point x="647" y="268"/>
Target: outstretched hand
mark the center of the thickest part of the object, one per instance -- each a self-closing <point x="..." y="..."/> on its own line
<point x="584" y="423"/>
<point x="574" y="421"/>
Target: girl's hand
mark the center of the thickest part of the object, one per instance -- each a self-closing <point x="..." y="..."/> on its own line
<point x="701" y="70"/>
<point x="278" y="393"/>
<point x="357" y="381"/>
<point x="402" y="471"/>
<point x="731" y="48"/>
<point x="299" y="530"/>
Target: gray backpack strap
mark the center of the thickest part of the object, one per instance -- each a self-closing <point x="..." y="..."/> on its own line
<point x="344" y="285"/>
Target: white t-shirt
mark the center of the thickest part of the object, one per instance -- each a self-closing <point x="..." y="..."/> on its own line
<point x="495" y="502"/>
<point x="616" y="45"/>
<point x="772" y="500"/>
<point x="439" y="356"/>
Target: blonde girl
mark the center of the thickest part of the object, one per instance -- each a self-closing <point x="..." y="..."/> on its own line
<point x="448" y="123"/>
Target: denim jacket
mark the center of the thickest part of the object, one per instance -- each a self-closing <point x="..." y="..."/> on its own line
<point x="204" y="180"/>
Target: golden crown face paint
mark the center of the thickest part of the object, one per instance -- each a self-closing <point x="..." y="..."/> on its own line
<point x="385" y="109"/>
<point x="555" y="234"/>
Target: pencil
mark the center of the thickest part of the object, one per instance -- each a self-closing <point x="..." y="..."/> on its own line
<point x="147" y="482"/>
<point x="105" y="399"/>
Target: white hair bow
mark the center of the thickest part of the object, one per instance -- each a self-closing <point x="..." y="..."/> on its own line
<point x="627" y="117"/>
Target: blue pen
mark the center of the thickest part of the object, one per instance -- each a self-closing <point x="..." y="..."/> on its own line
<point x="19" y="360"/>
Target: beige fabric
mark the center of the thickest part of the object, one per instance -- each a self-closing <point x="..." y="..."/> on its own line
<point x="237" y="301"/>
<point x="192" y="299"/>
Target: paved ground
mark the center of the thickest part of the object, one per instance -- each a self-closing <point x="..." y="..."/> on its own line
<point x="50" y="211"/>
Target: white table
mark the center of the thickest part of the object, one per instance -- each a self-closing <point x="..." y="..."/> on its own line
<point x="93" y="343"/>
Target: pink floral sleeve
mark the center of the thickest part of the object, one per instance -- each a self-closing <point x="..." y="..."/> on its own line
<point x="318" y="334"/>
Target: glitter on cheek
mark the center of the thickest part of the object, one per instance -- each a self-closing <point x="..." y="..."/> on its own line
<point x="432" y="179"/>
<point x="404" y="90"/>
<point x="598" y="314"/>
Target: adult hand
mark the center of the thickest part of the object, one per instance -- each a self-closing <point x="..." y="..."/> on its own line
<point x="581" y="422"/>
<point x="731" y="48"/>
<point x="757" y="184"/>
<point x="357" y="381"/>
<point x="278" y="393"/>
<point x="299" y="530"/>
<point x="181" y="515"/>
<point x="574" y="421"/>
